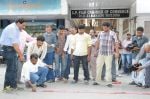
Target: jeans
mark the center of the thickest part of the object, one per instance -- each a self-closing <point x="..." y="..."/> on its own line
<point x="40" y="76"/>
<point x="49" y="58"/>
<point x="126" y="62"/>
<point x="67" y="70"/>
<point x="50" y="75"/>
<point x="10" y="56"/>
<point x="60" y="65"/>
<point x="77" y="60"/>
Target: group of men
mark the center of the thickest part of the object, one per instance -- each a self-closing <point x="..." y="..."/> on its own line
<point x="49" y="56"/>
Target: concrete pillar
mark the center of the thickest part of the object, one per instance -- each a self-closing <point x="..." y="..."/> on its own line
<point x="120" y="27"/>
<point x="67" y="23"/>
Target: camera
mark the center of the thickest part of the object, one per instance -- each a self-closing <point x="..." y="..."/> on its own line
<point x="131" y="46"/>
<point x="135" y="67"/>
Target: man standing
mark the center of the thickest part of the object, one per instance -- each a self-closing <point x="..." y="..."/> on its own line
<point x="67" y="50"/>
<point x="126" y="54"/>
<point x="107" y="41"/>
<point x="10" y="41"/>
<point x="50" y="38"/>
<point x="81" y="50"/>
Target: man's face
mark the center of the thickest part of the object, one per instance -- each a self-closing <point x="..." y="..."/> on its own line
<point x="21" y="26"/>
<point x="61" y="32"/>
<point x="106" y="29"/>
<point x="39" y="43"/>
<point x="128" y="36"/>
<point x="48" y="29"/>
<point x="34" y="61"/>
<point x="74" y="31"/>
<point x="81" y="31"/>
<point x="139" y="33"/>
<point x="92" y="32"/>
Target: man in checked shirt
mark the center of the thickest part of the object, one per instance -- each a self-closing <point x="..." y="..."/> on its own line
<point x="106" y="42"/>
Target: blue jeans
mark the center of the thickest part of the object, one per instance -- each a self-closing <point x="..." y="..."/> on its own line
<point x="49" y="58"/>
<point x="50" y="75"/>
<point x="40" y="76"/>
<point x="126" y="62"/>
<point x="10" y="56"/>
<point x="77" y="60"/>
<point x="67" y="70"/>
<point x="60" y="65"/>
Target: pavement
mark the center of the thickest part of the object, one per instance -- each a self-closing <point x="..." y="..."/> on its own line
<point x="62" y="90"/>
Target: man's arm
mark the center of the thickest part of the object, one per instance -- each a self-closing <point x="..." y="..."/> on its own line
<point x="43" y="54"/>
<point x="17" y="49"/>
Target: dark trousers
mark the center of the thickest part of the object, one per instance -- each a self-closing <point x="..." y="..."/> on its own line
<point x="10" y="56"/>
<point x="84" y="61"/>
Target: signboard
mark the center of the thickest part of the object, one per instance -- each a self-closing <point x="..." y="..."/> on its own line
<point x="30" y="7"/>
<point x="100" y="13"/>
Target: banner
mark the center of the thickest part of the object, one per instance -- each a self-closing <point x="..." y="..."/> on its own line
<point x="100" y="13"/>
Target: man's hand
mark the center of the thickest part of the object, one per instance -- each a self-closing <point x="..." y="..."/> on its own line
<point x="72" y="57"/>
<point x="49" y="66"/>
<point x="95" y="54"/>
<point x="21" y="58"/>
<point x="88" y="58"/>
<point x="135" y="49"/>
<point x="140" y="68"/>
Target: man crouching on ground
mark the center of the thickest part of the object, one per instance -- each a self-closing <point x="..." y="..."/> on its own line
<point x="34" y="72"/>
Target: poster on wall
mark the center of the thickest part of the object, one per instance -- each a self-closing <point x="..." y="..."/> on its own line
<point x="29" y="7"/>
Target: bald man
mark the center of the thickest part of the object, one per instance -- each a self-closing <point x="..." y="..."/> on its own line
<point x="144" y="70"/>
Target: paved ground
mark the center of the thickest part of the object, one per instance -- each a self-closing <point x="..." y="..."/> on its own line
<point x="61" y="90"/>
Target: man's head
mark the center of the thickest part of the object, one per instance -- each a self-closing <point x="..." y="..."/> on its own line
<point x="81" y="29"/>
<point x="106" y="26"/>
<point x="20" y="24"/>
<point x="92" y="32"/>
<point x="139" y="31"/>
<point x="61" y="30"/>
<point x="74" y="30"/>
<point x="48" y="28"/>
<point x="128" y="36"/>
<point x="147" y="47"/>
<point x="40" y="40"/>
<point x="34" y="58"/>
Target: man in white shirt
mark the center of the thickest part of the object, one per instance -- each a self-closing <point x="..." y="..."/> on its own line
<point x="81" y="50"/>
<point x="34" y="71"/>
<point x="39" y="46"/>
<point x="67" y="50"/>
<point x="126" y="54"/>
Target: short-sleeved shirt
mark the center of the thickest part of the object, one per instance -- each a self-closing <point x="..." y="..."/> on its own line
<point x="10" y="35"/>
<point x="81" y="43"/>
<point x="107" y="42"/>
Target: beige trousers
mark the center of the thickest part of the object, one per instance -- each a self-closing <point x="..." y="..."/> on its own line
<point x="101" y="59"/>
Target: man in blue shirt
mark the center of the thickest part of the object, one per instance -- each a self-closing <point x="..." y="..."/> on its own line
<point x="139" y="40"/>
<point x="10" y="42"/>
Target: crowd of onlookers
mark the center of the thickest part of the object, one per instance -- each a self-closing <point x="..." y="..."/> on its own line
<point x="49" y="57"/>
